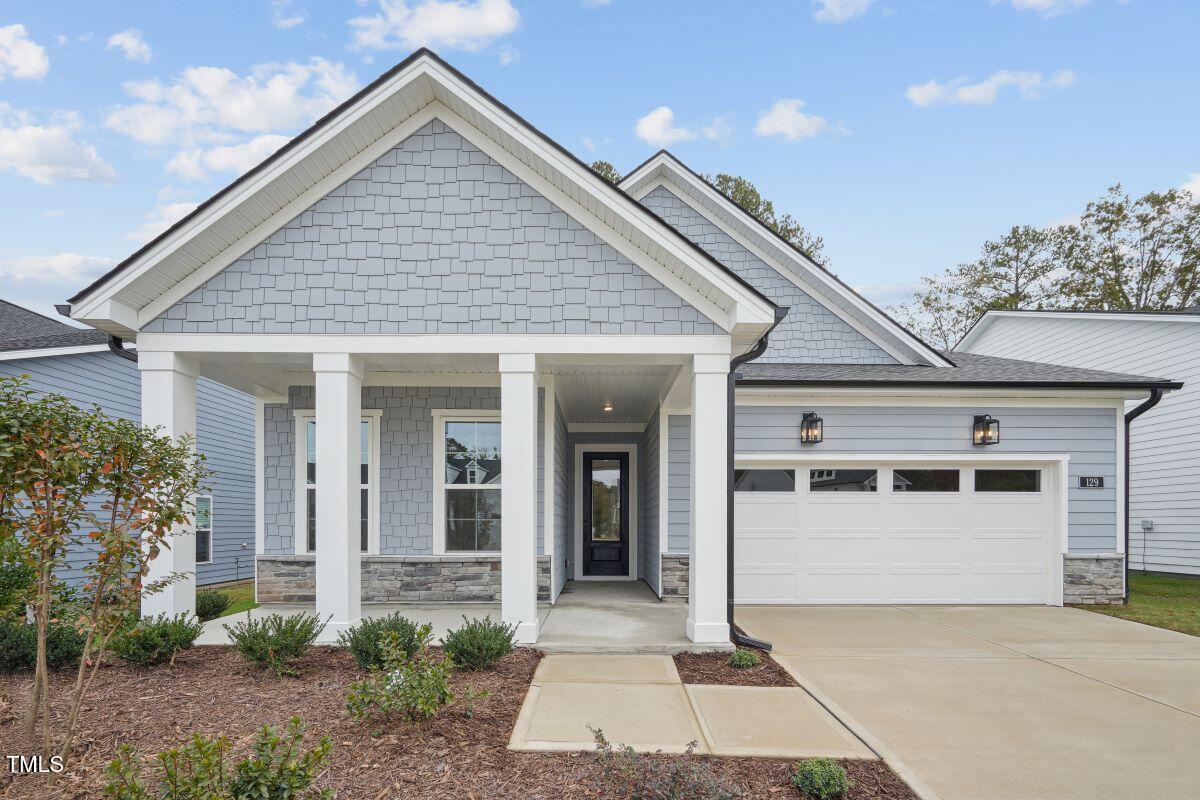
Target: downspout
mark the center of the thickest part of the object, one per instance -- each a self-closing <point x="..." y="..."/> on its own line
<point x="117" y="347"/>
<point x="1155" y="396"/>
<point x="750" y="355"/>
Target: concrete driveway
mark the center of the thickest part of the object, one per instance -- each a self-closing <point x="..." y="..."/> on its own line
<point x="1003" y="702"/>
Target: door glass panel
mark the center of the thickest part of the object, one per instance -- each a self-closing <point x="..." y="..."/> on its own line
<point x="606" y="500"/>
<point x="843" y="480"/>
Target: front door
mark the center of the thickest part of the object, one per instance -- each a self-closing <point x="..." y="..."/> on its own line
<point x="606" y="514"/>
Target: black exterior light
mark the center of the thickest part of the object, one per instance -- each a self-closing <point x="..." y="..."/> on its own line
<point x="986" y="430"/>
<point x="812" y="428"/>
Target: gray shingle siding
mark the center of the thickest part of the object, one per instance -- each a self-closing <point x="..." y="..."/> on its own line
<point x="224" y="434"/>
<point x="434" y="237"/>
<point x="679" y="482"/>
<point x="811" y="332"/>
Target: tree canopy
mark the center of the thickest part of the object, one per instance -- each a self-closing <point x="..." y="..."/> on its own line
<point x="746" y="195"/>
<point x="607" y="171"/>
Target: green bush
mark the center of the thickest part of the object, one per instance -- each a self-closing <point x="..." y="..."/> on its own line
<point x="414" y="687"/>
<point x="822" y="778"/>
<point x="365" y="640"/>
<point x="18" y="579"/>
<point x="479" y="643"/>
<point x="632" y="776"/>
<point x="278" y="769"/>
<point x="210" y="604"/>
<point x="743" y="659"/>
<point x="157" y="640"/>
<point x="274" y="641"/>
<point x="18" y="646"/>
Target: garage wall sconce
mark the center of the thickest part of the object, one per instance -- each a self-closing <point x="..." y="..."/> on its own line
<point x="812" y="428"/>
<point x="986" y="430"/>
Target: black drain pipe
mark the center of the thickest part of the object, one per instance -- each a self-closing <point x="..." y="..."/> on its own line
<point x="117" y="347"/>
<point x="1151" y="402"/>
<point x="731" y="407"/>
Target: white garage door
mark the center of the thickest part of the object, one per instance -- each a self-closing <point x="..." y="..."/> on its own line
<point x="894" y="533"/>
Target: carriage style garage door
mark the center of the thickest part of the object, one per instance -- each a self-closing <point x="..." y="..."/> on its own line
<point x="896" y="533"/>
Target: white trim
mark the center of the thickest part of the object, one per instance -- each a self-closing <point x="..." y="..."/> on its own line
<point x="632" y="450"/>
<point x="1122" y="511"/>
<point x="50" y="352"/>
<point x="605" y="427"/>
<point x="196" y="530"/>
<point x="440" y="416"/>
<point x="260" y="484"/>
<point x="300" y="490"/>
<point x="750" y="459"/>
<point x="985" y="322"/>
<point x="883" y="398"/>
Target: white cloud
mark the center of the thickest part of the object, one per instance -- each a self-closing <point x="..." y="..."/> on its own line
<point x="508" y="55"/>
<point x="959" y="92"/>
<point x="195" y="163"/>
<point x="131" y="43"/>
<point x="657" y="128"/>
<point x="589" y="143"/>
<point x="285" y="17"/>
<point x="59" y="268"/>
<point x="158" y="220"/>
<point x="1048" y="8"/>
<point x="836" y="11"/>
<point x="48" y="151"/>
<point x="453" y="24"/>
<point x="787" y="120"/>
<point x="596" y="3"/>
<point x="1192" y="184"/>
<point x="719" y="130"/>
<point x="20" y="56"/>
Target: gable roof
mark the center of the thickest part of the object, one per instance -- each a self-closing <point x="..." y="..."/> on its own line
<point x="791" y="262"/>
<point x="333" y="149"/>
<point x="22" y="330"/>
<point x="989" y="318"/>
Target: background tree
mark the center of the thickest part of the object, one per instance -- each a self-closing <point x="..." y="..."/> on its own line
<point x="607" y="171"/>
<point x="746" y="195"/>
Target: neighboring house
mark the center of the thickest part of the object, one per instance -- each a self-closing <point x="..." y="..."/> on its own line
<point x="1164" y="452"/>
<point x="483" y="370"/>
<point x="79" y="365"/>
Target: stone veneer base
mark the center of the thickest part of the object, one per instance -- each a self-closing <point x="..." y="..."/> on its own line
<point x="675" y="576"/>
<point x="1090" y="579"/>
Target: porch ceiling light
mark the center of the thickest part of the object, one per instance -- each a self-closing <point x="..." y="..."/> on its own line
<point x="812" y="428"/>
<point x="986" y="430"/>
<point x="608" y="406"/>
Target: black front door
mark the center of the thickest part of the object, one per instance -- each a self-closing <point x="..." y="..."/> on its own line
<point x="606" y="514"/>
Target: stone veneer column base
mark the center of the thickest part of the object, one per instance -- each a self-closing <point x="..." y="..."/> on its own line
<point x="1093" y="579"/>
<point x="397" y="579"/>
<point x="675" y="576"/>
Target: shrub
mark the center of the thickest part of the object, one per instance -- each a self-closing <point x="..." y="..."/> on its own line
<point x="198" y="769"/>
<point x="635" y="777"/>
<point x="274" y="641"/>
<point x="211" y="604"/>
<point x="822" y="778"/>
<point x="365" y="640"/>
<point x="743" y="659"/>
<point x="18" y="579"/>
<point x="157" y="640"/>
<point x="416" y="688"/>
<point x="479" y="643"/>
<point x="18" y="646"/>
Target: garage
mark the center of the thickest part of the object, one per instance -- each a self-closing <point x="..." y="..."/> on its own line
<point x="898" y="532"/>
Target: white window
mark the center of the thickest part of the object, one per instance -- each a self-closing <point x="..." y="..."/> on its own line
<point x="204" y="529"/>
<point x="306" y="482"/>
<point x="467" y="480"/>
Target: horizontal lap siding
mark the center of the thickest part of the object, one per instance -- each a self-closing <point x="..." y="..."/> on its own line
<point x="562" y="498"/>
<point x="1087" y="435"/>
<point x="679" y="483"/>
<point x="649" y="531"/>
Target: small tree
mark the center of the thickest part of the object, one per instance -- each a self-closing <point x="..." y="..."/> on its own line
<point x="607" y="171"/>
<point x="746" y="195"/>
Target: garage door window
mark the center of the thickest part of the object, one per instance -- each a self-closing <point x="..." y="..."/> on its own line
<point x="764" y="480"/>
<point x="925" y="480"/>
<point x="1008" y="480"/>
<point x="843" y="480"/>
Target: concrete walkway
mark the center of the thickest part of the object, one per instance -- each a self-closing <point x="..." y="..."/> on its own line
<point x="1003" y="703"/>
<point x="639" y="700"/>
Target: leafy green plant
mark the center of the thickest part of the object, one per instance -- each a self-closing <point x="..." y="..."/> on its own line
<point x="822" y="778"/>
<point x="19" y="646"/>
<point x="479" y="643"/>
<point x="366" y="639"/>
<point x="210" y="604"/>
<point x="277" y="769"/>
<point x="275" y="641"/>
<point x="631" y="776"/>
<point x="416" y="688"/>
<point x="157" y="640"/>
<point x="744" y="659"/>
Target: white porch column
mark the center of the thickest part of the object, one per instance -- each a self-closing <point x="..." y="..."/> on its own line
<point x="707" y="556"/>
<point x="338" y="557"/>
<point x="518" y="494"/>
<point x="169" y="402"/>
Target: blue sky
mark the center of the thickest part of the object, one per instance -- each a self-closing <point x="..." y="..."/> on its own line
<point x="904" y="133"/>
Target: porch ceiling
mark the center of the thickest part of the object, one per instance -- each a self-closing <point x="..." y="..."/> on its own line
<point x="634" y="392"/>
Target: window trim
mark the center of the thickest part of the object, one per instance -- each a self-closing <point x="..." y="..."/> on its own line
<point x="196" y="528"/>
<point x="374" y="417"/>
<point x="440" y="417"/>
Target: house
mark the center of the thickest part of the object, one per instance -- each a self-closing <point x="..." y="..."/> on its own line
<point x="423" y="280"/>
<point x="81" y="365"/>
<point x="1164" y="445"/>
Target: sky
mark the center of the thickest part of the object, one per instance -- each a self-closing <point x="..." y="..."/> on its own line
<point x="905" y="133"/>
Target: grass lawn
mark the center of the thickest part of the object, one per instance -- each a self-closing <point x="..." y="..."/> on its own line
<point x="241" y="598"/>
<point x="1160" y="600"/>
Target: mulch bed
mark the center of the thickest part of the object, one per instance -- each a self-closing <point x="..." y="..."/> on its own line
<point x="713" y="668"/>
<point x="211" y="690"/>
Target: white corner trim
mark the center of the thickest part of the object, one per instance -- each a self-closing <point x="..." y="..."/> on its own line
<point x="440" y="417"/>
<point x="50" y="352"/>
<point x="260" y="481"/>
<point x="632" y="450"/>
<point x="605" y="427"/>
